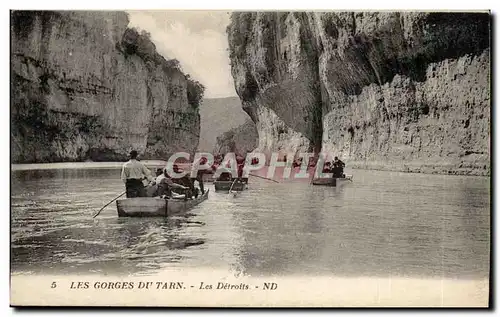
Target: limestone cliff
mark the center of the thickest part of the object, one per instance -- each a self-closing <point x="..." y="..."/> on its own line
<point x="219" y="115"/>
<point x="387" y="90"/>
<point x="85" y="86"/>
<point x="239" y="140"/>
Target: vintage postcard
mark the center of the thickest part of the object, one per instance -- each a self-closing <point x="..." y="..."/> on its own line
<point x="250" y="158"/>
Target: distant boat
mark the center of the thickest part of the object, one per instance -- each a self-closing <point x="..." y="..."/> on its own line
<point x="228" y="185"/>
<point x="334" y="181"/>
<point x="156" y="206"/>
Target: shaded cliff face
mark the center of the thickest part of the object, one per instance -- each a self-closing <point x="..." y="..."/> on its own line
<point x="240" y="140"/>
<point x="274" y="64"/>
<point x="214" y="120"/>
<point x="84" y="86"/>
<point x="400" y="91"/>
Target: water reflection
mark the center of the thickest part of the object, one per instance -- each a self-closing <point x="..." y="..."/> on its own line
<point x="52" y="228"/>
<point x="385" y="224"/>
<point x="372" y="228"/>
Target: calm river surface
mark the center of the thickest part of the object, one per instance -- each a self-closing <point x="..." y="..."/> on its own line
<point x="383" y="223"/>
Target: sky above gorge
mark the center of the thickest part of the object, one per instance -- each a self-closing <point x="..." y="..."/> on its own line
<point x="197" y="39"/>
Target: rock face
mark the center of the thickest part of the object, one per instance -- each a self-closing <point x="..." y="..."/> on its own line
<point x="239" y="140"/>
<point x="84" y="86"/>
<point x="219" y="115"/>
<point x="385" y="90"/>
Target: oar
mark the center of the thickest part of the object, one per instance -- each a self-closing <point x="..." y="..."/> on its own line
<point x="264" y="178"/>
<point x="108" y="204"/>
<point x="312" y="178"/>
<point x="230" y="188"/>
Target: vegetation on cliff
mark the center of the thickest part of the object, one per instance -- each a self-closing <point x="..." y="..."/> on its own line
<point x="140" y="44"/>
<point x="86" y="86"/>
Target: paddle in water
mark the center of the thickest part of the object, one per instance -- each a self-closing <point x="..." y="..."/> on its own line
<point x="109" y="203"/>
<point x="269" y="179"/>
<point x="230" y="188"/>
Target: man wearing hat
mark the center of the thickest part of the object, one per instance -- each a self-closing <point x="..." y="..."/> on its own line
<point x="133" y="173"/>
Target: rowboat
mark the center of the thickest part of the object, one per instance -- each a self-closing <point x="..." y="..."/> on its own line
<point x="211" y="178"/>
<point x="156" y="206"/>
<point x="226" y="185"/>
<point x="332" y="181"/>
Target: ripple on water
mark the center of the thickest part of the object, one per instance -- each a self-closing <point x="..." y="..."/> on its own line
<point x="382" y="222"/>
<point x="97" y="242"/>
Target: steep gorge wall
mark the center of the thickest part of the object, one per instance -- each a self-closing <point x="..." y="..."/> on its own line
<point x="84" y="86"/>
<point x="240" y="140"/>
<point x="275" y="67"/>
<point x="386" y="90"/>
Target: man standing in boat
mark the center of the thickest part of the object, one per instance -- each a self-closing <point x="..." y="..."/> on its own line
<point x="241" y="164"/>
<point x="199" y="173"/>
<point x="133" y="173"/>
<point x="338" y="167"/>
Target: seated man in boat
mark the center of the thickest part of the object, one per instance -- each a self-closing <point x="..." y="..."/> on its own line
<point x="186" y="182"/>
<point x="152" y="187"/>
<point x="159" y="175"/>
<point x="165" y="184"/>
<point x="133" y="173"/>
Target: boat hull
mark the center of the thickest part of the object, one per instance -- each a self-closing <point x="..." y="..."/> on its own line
<point x="333" y="182"/>
<point x="226" y="185"/>
<point x="156" y="206"/>
<point x="211" y="178"/>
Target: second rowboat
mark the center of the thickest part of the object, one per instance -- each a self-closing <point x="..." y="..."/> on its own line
<point x="334" y="182"/>
<point x="233" y="185"/>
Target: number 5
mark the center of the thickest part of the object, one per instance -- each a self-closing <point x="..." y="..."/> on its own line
<point x="54" y="285"/>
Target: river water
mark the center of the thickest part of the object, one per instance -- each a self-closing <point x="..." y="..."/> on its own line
<point x="383" y="223"/>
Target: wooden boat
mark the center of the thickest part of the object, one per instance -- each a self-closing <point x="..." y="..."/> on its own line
<point x="226" y="185"/>
<point x="156" y="206"/>
<point x="332" y="181"/>
<point x="211" y="178"/>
